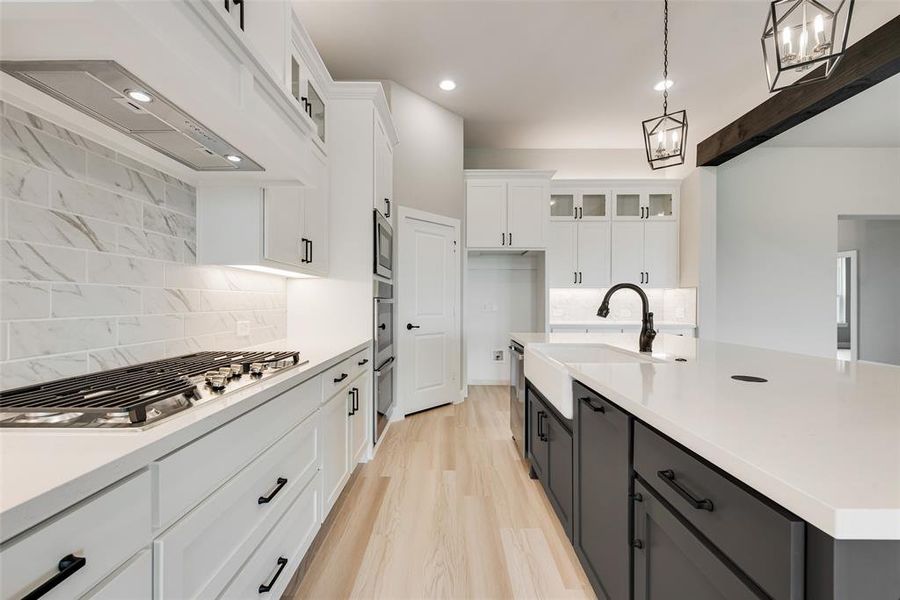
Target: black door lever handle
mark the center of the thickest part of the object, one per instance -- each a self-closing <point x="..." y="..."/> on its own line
<point x="411" y="326"/>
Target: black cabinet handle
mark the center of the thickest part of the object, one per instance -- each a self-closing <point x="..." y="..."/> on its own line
<point x="594" y="407"/>
<point x="410" y="326"/>
<point x="580" y="277"/>
<point x="309" y="258"/>
<point x="576" y="277"/>
<point x="503" y="239"/>
<point x="266" y="499"/>
<point x="541" y="435"/>
<point x="668" y="477"/>
<point x="341" y="378"/>
<point x="352" y="410"/>
<point x="303" y="244"/>
<point x="67" y="566"/>
<point x="355" y="400"/>
<point x="648" y="276"/>
<point x="387" y="207"/>
<point x="510" y="238"/>
<point x="265" y="587"/>
<point x="364" y="361"/>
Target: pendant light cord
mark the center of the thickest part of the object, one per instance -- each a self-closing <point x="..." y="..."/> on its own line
<point x="665" y="57"/>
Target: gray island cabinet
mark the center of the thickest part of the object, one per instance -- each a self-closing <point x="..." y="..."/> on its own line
<point x="651" y="520"/>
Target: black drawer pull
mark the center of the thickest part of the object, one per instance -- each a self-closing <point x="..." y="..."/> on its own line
<point x="594" y="407"/>
<point x="265" y="587"/>
<point x="67" y="567"/>
<point x="265" y="499"/>
<point x="668" y="476"/>
<point x="364" y="361"/>
<point x="341" y="378"/>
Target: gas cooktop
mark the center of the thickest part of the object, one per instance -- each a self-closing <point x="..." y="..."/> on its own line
<point x="139" y="395"/>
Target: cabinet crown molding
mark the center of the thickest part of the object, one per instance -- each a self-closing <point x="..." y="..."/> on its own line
<point x="372" y="91"/>
<point x="508" y="174"/>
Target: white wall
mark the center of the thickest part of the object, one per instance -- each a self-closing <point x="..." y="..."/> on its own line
<point x="428" y="161"/>
<point x="626" y="163"/>
<point x="505" y="293"/>
<point x="777" y="225"/>
<point x="696" y="238"/>
<point x="877" y="242"/>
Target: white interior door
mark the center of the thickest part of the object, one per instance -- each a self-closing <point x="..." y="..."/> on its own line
<point x="428" y="331"/>
<point x="561" y="264"/>
<point x="627" y="251"/>
<point x="527" y="210"/>
<point x="661" y="254"/>
<point x="486" y="214"/>
<point x="283" y="214"/>
<point x="593" y="253"/>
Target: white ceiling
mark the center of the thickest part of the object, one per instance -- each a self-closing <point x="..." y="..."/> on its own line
<point x="554" y="74"/>
<point x="871" y="119"/>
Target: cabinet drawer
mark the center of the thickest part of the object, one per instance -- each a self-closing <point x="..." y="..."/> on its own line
<point x="762" y="539"/>
<point x="190" y="474"/>
<point x="339" y="376"/>
<point x="104" y="530"/>
<point x="133" y="581"/>
<point x="198" y="555"/>
<point x="273" y="563"/>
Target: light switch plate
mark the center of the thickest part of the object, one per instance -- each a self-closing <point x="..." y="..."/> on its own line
<point x="498" y="355"/>
<point x="242" y="328"/>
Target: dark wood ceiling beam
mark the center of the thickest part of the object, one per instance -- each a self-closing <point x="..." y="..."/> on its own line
<point x="869" y="61"/>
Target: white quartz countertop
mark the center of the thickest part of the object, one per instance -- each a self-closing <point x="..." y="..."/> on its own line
<point x="599" y="323"/>
<point x="821" y="437"/>
<point x="43" y="471"/>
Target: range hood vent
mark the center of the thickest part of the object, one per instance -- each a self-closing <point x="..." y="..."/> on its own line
<point x="105" y="90"/>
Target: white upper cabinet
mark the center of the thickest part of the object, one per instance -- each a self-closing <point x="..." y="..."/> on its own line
<point x="283" y="216"/>
<point x="507" y="209"/>
<point x="315" y="217"/>
<point x="384" y="171"/>
<point x="603" y="233"/>
<point x="486" y="214"/>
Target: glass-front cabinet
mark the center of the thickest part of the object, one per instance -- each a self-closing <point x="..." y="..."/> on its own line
<point x="578" y="205"/>
<point x="645" y="205"/>
<point x="304" y="90"/>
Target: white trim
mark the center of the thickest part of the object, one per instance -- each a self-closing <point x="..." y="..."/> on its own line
<point x="854" y="302"/>
<point x="575" y="184"/>
<point x="372" y="91"/>
<point x="507" y="174"/>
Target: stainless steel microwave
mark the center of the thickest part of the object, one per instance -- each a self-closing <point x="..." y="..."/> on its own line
<point x="384" y="247"/>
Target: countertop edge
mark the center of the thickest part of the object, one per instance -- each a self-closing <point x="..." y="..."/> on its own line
<point x="37" y="509"/>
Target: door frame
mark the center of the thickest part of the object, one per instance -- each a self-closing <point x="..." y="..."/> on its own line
<point x="854" y="302"/>
<point x="404" y="374"/>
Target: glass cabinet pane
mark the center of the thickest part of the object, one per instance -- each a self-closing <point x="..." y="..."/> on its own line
<point x="628" y="205"/>
<point x="593" y="205"/>
<point x="562" y="205"/>
<point x="660" y="205"/>
<point x="295" y="79"/>
<point x="318" y="111"/>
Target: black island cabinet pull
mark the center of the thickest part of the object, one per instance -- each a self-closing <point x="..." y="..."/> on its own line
<point x="341" y="378"/>
<point x="540" y="418"/>
<point x="668" y="476"/>
<point x="594" y="407"/>
<point x="67" y="566"/>
<point x="266" y="499"/>
<point x="265" y="587"/>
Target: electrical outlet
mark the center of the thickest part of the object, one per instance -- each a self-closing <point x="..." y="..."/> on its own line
<point x="242" y="328"/>
<point x="498" y="355"/>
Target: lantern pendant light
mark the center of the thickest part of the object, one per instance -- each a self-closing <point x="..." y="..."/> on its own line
<point x="665" y="137"/>
<point x="803" y="40"/>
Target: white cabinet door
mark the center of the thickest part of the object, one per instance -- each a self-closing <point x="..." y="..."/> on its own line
<point x="593" y="253"/>
<point x="315" y="218"/>
<point x="661" y="254"/>
<point x="627" y="251"/>
<point x="527" y="213"/>
<point x="628" y="205"/>
<point x="662" y="205"/>
<point x="132" y="581"/>
<point x="283" y="223"/>
<point x="360" y="422"/>
<point x="561" y="254"/>
<point x="384" y="170"/>
<point x="486" y="214"/>
<point x="335" y="460"/>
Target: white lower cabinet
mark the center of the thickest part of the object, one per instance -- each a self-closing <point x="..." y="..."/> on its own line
<point x="89" y="541"/>
<point x="335" y="447"/>
<point x="270" y="568"/>
<point x="197" y="556"/>
<point x="132" y="581"/>
<point x="361" y="418"/>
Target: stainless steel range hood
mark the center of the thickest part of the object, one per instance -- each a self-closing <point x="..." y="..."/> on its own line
<point x="106" y="91"/>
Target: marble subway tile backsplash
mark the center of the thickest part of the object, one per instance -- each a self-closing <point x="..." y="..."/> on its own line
<point x="580" y="306"/>
<point x="97" y="254"/>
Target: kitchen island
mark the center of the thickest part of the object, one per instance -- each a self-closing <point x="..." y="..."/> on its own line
<point x="817" y="444"/>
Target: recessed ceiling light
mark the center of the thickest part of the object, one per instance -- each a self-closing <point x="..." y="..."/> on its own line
<point x="233" y="158"/>
<point x="448" y="85"/>
<point x="663" y="85"/>
<point x="139" y="95"/>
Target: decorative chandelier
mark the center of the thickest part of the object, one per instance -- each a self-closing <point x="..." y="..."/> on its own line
<point x="803" y="40"/>
<point x="665" y="137"/>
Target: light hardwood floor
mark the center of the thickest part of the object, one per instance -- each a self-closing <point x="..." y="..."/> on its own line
<point x="446" y="510"/>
